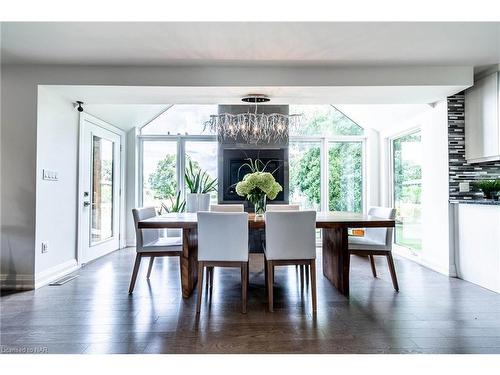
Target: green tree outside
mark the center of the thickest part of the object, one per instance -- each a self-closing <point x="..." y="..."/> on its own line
<point x="345" y="176"/>
<point x="163" y="181"/>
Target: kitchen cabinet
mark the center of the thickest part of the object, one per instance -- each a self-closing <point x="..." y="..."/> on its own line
<point x="482" y="120"/>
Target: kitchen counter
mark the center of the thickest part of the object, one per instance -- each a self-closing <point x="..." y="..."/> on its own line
<point x="477" y="242"/>
<point x="489" y="202"/>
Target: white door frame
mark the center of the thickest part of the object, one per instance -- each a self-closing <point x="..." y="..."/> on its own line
<point x="122" y="224"/>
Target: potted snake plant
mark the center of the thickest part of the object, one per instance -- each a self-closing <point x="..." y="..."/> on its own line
<point x="200" y="185"/>
<point x="177" y="204"/>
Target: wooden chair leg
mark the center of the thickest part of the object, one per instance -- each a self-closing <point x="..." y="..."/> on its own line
<point x="134" y="273"/>
<point x="200" y="286"/>
<point x="313" y="284"/>
<point x="372" y="263"/>
<point x="301" y="275"/>
<point x="390" y="262"/>
<point x="207" y="275"/>
<point x="244" y="287"/>
<point x="307" y="267"/>
<point x="212" y="277"/>
<point x="266" y="276"/>
<point x="151" y="261"/>
<point x="270" y="286"/>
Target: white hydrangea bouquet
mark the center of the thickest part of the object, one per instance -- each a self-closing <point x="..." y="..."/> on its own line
<point x="258" y="185"/>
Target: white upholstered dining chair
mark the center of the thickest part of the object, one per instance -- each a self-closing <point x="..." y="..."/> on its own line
<point x="290" y="240"/>
<point x="221" y="208"/>
<point x="150" y="243"/>
<point x="376" y="241"/>
<point x="223" y="242"/>
<point x="227" y="208"/>
<point x="289" y="207"/>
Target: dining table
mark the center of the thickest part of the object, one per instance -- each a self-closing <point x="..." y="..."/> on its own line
<point x="334" y="226"/>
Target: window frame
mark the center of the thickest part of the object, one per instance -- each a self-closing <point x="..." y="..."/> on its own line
<point x="323" y="141"/>
<point x="180" y="157"/>
<point x="324" y="144"/>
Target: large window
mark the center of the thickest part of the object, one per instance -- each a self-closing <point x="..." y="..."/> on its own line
<point x="326" y="160"/>
<point x="203" y="154"/>
<point x="159" y="171"/>
<point x="407" y="188"/>
<point x="305" y="173"/>
<point x="181" y="119"/>
<point x="326" y="156"/>
<point x="167" y="144"/>
<point x="345" y="176"/>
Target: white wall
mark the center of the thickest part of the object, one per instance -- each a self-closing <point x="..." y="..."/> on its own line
<point x="435" y="191"/>
<point x="131" y="184"/>
<point x="433" y="123"/>
<point x="18" y="185"/>
<point x="56" y="201"/>
<point x="372" y="168"/>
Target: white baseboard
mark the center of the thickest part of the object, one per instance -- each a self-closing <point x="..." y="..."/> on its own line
<point x="16" y="282"/>
<point x="405" y="253"/>
<point x="56" y="272"/>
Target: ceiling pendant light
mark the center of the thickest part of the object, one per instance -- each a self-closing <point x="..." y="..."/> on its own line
<point x="253" y="127"/>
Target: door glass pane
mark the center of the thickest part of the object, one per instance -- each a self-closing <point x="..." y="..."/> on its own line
<point x="204" y="156"/>
<point x="102" y="190"/>
<point x="407" y="154"/>
<point x="159" y="182"/>
<point x="345" y="176"/>
<point x="305" y="174"/>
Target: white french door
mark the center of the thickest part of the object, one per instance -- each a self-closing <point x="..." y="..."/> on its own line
<point x="100" y="175"/>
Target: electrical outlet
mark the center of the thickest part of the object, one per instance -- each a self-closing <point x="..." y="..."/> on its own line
<point x="45" y="247"/>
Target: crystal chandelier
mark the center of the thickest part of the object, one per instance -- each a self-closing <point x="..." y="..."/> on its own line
<point x="253" y="127"/>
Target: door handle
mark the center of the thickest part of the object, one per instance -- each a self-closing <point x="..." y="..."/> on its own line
<point x="86" y="204"/>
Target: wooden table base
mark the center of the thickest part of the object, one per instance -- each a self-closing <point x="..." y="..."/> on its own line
<point x="189" y="263"/>
<point x="336" y="259"/>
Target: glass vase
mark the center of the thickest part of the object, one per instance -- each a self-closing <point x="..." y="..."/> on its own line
<point x="259" y="203"/>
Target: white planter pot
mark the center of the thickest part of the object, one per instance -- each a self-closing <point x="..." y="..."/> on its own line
<point x="197" y="202"/>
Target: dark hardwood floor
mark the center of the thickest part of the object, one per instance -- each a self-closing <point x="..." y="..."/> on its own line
<point x="94" y="313"/>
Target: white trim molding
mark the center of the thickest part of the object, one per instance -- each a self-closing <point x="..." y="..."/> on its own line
<point x="56" y="272"/>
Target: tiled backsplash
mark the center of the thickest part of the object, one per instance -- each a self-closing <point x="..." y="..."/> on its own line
<point x="459" y="169"/>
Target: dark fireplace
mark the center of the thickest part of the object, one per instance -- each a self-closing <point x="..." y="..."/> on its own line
<point x="233" y="169"/>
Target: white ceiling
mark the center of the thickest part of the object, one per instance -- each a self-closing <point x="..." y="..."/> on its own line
<point x="232" y="95"/>
<point x="394" y="43"/>
<point x="131" y="106"/>
<point x="383" y="117"/>
<point x="125" y="116"/>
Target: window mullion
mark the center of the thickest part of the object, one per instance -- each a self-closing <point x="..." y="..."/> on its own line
<point x="140" y="173"/>
<point x="181" y="164"/>
<point x="324" y="175"/>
